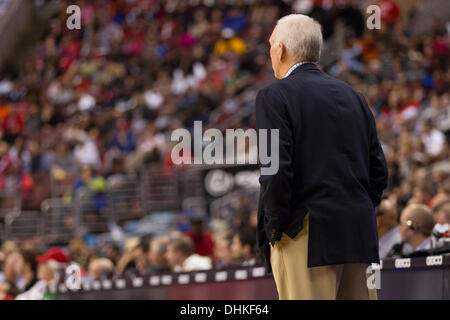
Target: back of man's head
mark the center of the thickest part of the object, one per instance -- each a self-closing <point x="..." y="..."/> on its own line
<point x="301" y="35"/>
<point x="183" y="245"/>
<point x="387" y="214"/>
<point x="421" y="217"/>
<point x="247" y="236"/>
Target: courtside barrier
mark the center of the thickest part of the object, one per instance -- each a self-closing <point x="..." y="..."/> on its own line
<point x="404" y="278"/>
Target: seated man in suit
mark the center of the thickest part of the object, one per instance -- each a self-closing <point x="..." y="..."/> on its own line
<point x="316" y="218"/>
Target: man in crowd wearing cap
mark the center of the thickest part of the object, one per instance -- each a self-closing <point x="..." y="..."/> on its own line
<point x="50" y="265"/>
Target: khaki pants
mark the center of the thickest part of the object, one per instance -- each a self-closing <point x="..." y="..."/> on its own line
<point x="295" y="281"/>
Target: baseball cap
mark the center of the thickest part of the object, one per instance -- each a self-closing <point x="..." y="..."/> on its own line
<point x="56" y="254"/>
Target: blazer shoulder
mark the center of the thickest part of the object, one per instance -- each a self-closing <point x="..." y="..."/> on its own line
<point x="362" y="99"/>
<point x="342" y="83"/>
<point x="276" y="90"/>
<point x="359" y="94"/>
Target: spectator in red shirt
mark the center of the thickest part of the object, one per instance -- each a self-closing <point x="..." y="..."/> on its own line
<point x="390" y="10"/>
<point x="8" y="290"/>
<point x="12" y="126"/>
<point x="202" y="238"/>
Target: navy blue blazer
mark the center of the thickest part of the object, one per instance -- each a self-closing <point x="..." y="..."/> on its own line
<point x="330" y="164"/>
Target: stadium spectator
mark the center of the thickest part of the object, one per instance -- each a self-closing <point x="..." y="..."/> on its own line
<point x="62" y="158"/>
<point x="157" y="256"/>
<point x="126" y="265"/>
<point x="86" y="152"/>
<point x="112" y="252"/>
<point x="124" y="139"/>
<point x="78" y="251"/>
<point x="116" y="177"/>
<point x="442" y="213"/>
<point x="222" y="251"/>
<point x="243" y="247"/>
<point x="181" y="257"/>
<point x="108" y="92"/>
<point x="433" y="139"/>
<point x="90" y="189"/>
<point x="7" y="272"/>
<point x="8" y="290"/>
<point x="100" y="269"/>
<point x="49" y="269"/>
<point x="140" y="254"/>
<point x="26" y="270"/>
<point x="416" y="225"/>
<point x="133" y="261"/>
<point x="202" y="239"/>
<point x="387" y="222"/>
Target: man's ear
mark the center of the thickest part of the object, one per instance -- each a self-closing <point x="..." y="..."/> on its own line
<point x="282" y="52"/>
<point x="278" y="51"/>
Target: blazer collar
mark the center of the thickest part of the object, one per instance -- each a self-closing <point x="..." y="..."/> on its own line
<point x="304" y="67"/>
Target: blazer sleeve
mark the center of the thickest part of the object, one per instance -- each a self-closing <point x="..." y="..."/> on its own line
<point x="276" y="189"/>
<point x="378" y="171"/>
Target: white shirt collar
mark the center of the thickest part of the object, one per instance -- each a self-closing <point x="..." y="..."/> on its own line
<point x="295" y="66"/>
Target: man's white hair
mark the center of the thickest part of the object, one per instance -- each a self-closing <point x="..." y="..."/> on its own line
<point x="301" y="36"/>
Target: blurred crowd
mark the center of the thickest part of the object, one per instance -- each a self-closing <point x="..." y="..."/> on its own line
<point x="101" y="102"/>
<point x="27" y="271"/>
